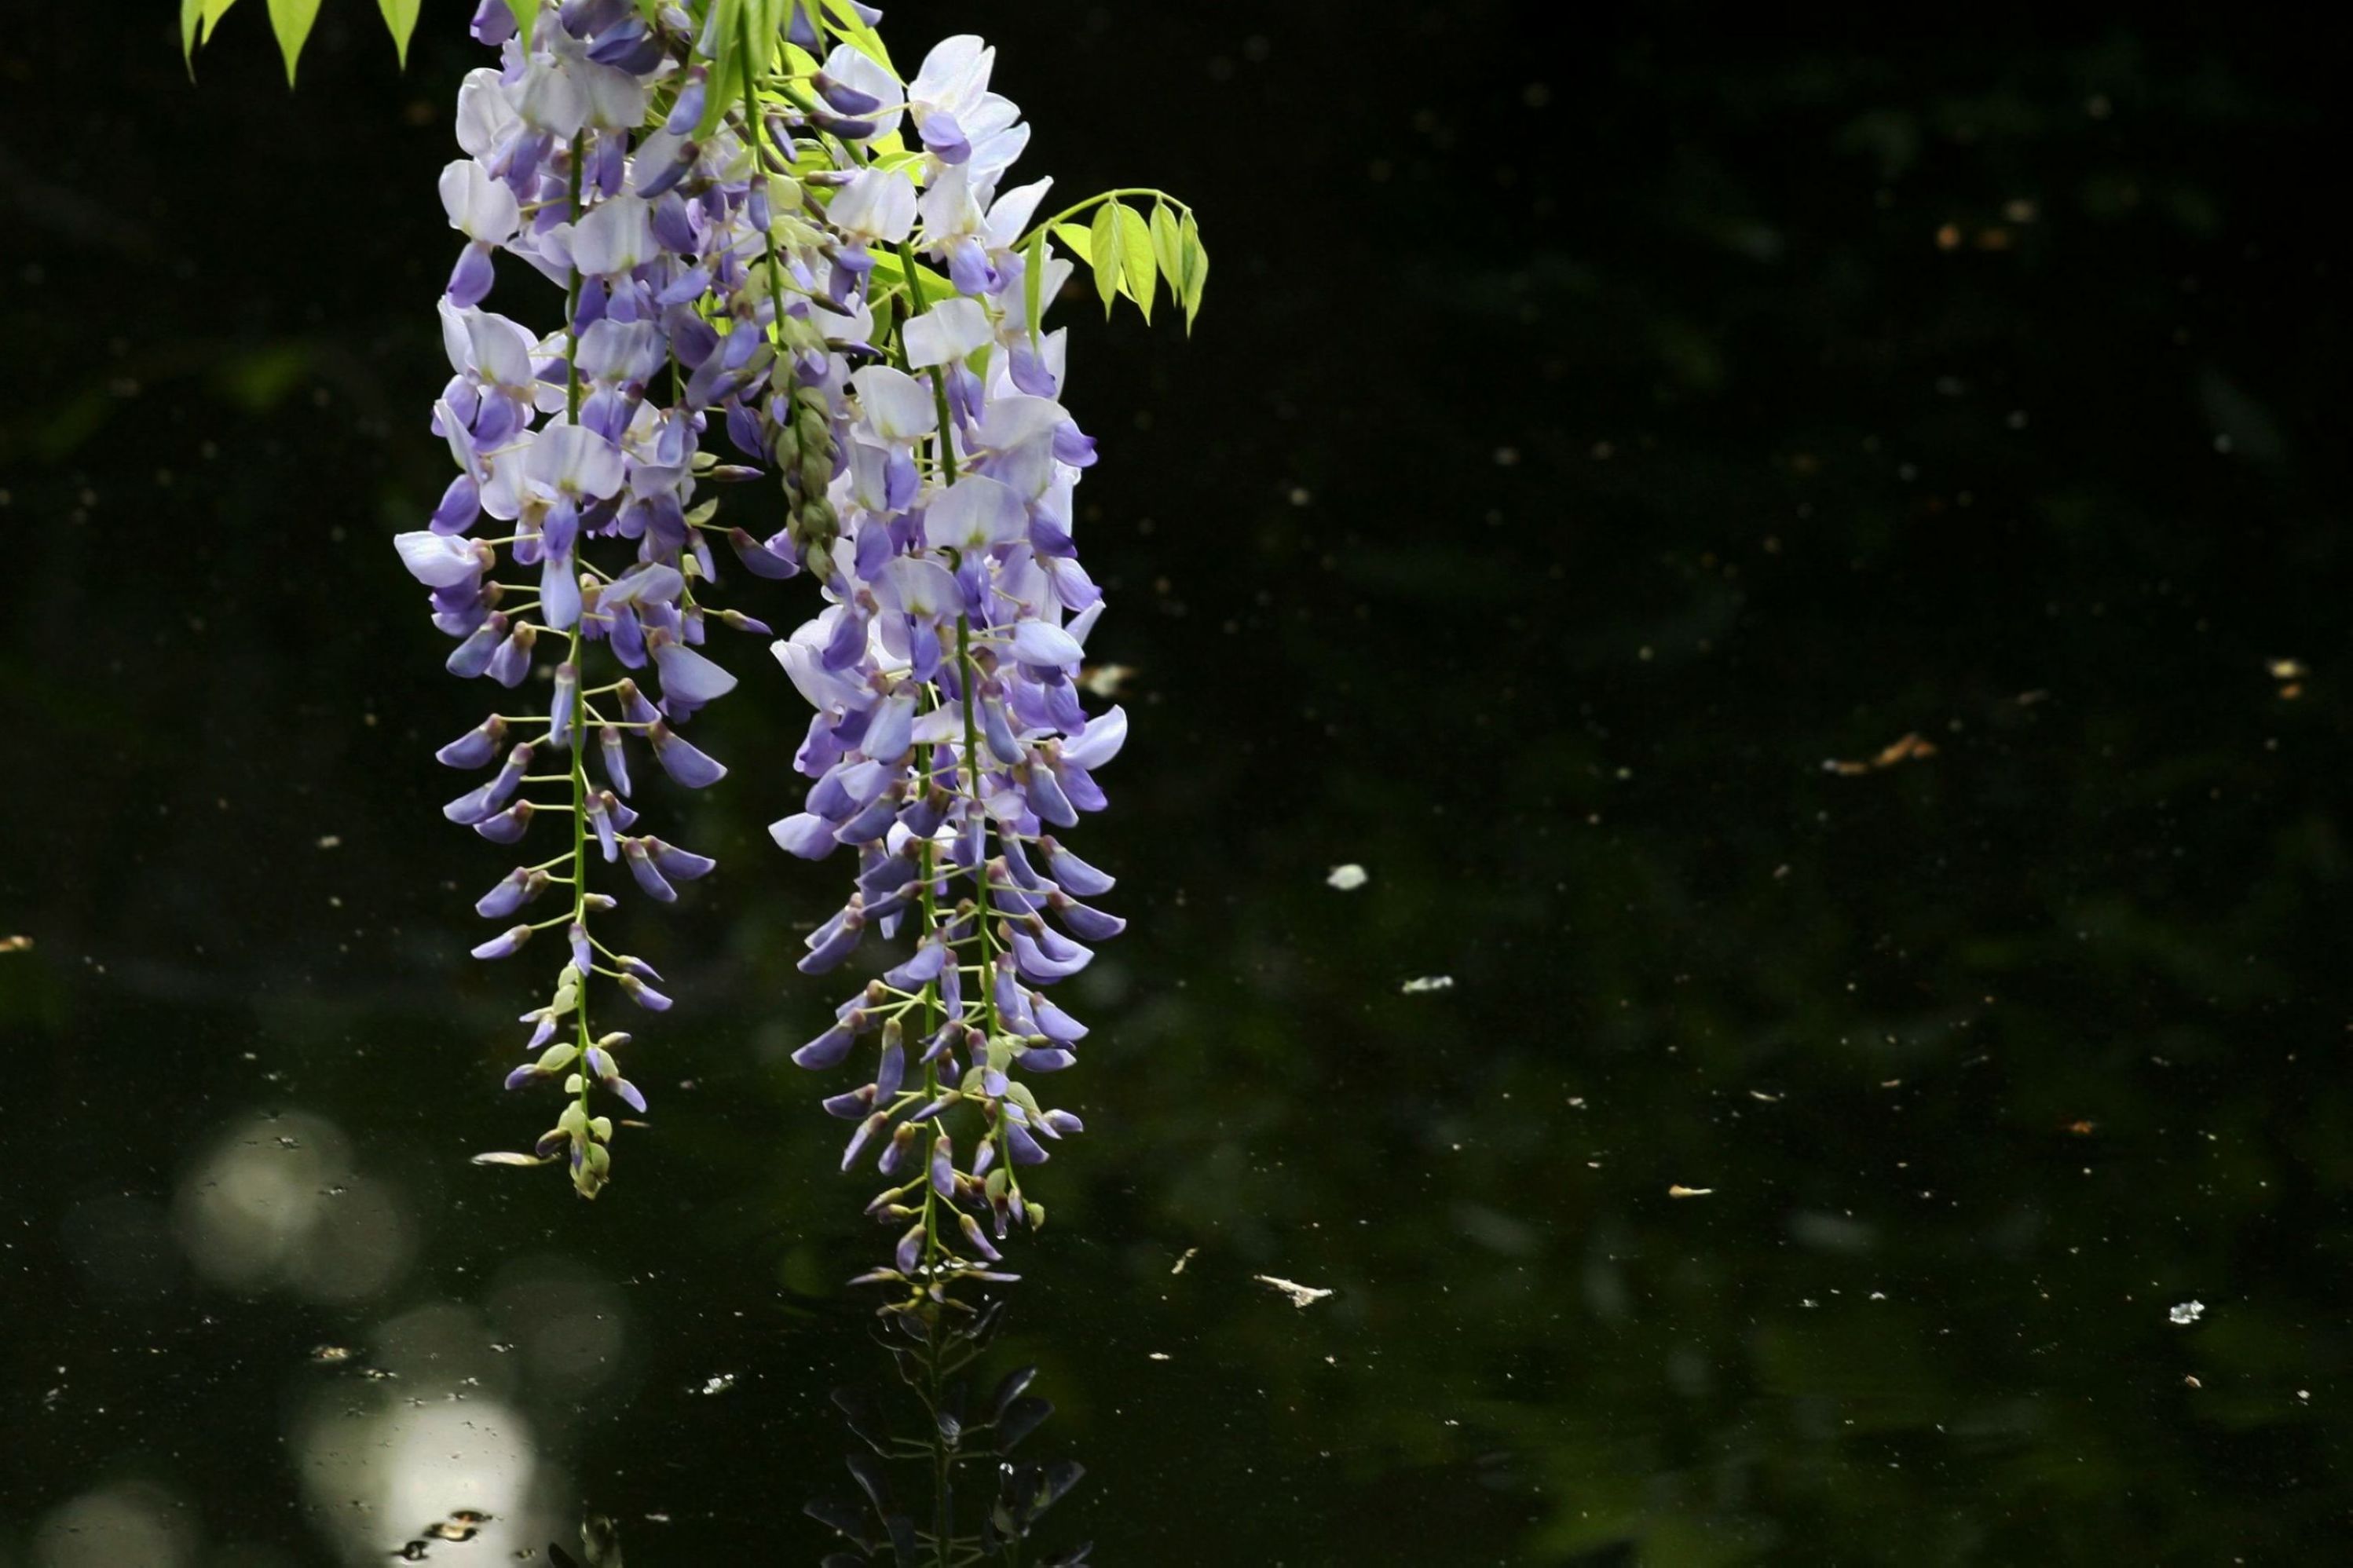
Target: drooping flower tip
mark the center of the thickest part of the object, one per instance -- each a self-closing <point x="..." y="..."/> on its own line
<point x="506" y="944"/>
<point x="645" y="996"/>
<point x="683" y="761"/>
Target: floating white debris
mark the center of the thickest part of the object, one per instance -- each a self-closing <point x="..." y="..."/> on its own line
<point x="2188" y="1312"/>
<point x="1156" y="1355"/>
<point x="1680" y="1191"/>
<point x="1301" y="1295"/>
<point x="1190" y="1253"/>
<point x="1428" y="983"/>
<point x="721" y="1383"/>
<point x="1348" y="877"/>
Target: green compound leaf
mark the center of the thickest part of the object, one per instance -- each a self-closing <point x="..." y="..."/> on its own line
<point x="1080" y="243"/>
<point x="292" y="20"/>
<point x="1168" y="248"/>
<point x="1196" y="258"/>
<point x="1104" y="252"/>
<point x="1137" y="278"/>
<point x="400" y="18"/>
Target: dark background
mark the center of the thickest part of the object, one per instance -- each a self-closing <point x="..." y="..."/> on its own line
<point x="1588" y="434"/>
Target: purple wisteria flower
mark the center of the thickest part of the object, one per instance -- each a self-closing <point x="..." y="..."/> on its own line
<point x="949" y="739"/>
<point x="569" y="558"/>
<point x="780" y="259"/>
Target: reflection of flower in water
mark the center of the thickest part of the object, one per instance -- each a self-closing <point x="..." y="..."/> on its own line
<point x="276" y="1201"/>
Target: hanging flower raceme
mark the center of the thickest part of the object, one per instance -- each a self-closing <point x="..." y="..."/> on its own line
<point x="767" y="240"/>
<point x="950" y="745"/>
<point x="570" y="557"/>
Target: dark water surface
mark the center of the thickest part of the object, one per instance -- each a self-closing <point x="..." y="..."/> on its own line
<point x="1587" y="438"/>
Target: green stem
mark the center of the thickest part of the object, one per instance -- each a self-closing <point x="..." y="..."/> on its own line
<point x="939" y="383"/>
<point x="579" y="769"/>
<point x="1095" y="201"/>
<point x="753" y="127"/>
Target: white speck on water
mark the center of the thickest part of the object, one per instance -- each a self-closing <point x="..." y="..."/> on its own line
<point x="2188" y="1312"/>
<point x="1301" y="1295"/>
<point x="721" y="1383"/>
<point x="1427" y="984"/>
<point x="1348" y="877"/>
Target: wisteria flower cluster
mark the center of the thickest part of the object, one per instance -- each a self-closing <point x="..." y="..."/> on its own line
<point x="769" y="241"/>
<point x="583" y="447"/>
<point x="949" y="743"/>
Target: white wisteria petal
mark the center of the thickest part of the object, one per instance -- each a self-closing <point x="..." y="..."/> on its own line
<point x="876" y="205"/>
<point x="973" y="514"/>
<point x="949" y="331"/>
<point x="897" y="405"/>
<point x="479" y="208"/>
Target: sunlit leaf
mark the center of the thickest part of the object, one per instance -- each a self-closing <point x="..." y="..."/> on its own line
<point x="526" y="12"/>
<point x="213" y="11"/>
<point x="1136" y="275"/>
<point x="400" y="16"/>
<point x="1080" y="243"/>
<point x="191" y="12"/>
<point x="1196" y="269"/>
<point x="1168" y="248"/>
<point x="1104" y="252"/>
<point x="291" y="20"/>
<point x="846" y="22"/>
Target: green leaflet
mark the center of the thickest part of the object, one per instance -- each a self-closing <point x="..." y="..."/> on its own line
<point x="844" y="21"/>
<point x="211" y="10"/>
<point x="1138" y="277"/>
<point x="1033" y="281"/>
<point x="526" y="12"/>
<point x="888" y="270"/>
<point x="1168" y="248"/>
<point x="292" y="20"/>
<point x="1196" y="259"/>
<point x="1074" y="237"/>
<point x="726" y="83"/>
<point x="400" y="17"/>
<point x="1104" y="252"/>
